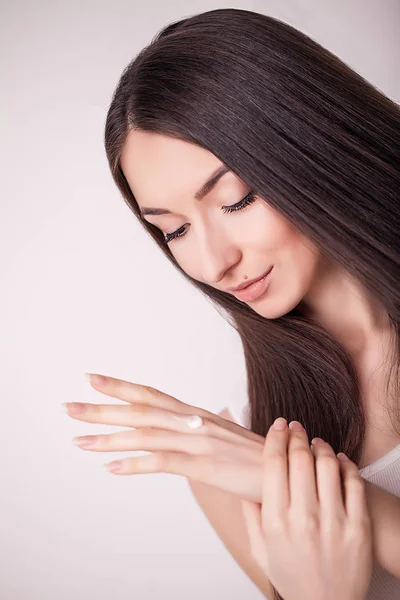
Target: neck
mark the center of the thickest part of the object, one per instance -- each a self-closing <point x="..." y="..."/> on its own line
<point x="346" y="309"/>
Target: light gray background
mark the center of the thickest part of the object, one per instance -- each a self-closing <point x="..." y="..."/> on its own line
<point x="83" y="288"/>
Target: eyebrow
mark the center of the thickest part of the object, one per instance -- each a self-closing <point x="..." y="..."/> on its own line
<point x="199" y="195"/>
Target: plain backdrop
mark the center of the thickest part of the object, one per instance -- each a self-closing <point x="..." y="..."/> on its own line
<point x="84" y="288"/>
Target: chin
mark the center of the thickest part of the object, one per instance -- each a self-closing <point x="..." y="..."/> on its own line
<point x="273" y="310"/>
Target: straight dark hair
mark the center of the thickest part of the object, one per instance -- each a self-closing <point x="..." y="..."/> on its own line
<point x="317" y="142"/>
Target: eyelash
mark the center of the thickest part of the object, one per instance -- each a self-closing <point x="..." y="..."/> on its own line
<point x="249" y="199"/>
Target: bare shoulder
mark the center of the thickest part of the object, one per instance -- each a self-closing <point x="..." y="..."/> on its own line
<point x="224" y="512"/>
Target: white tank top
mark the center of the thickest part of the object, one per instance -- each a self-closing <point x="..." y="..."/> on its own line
<point x="384" y="472"/>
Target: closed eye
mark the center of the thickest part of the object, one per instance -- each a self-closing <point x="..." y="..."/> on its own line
<point x="248" y="199"/>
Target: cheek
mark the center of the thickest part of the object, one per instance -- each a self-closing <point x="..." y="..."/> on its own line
<point x="266" y="231"/>
<point x="284" y="243"/>
<point x="186" y="258"/>
<point x="294" y="256"/>
<point x="265" y="236"/>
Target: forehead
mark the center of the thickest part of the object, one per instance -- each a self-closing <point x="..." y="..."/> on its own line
<point x="156" y="165"/>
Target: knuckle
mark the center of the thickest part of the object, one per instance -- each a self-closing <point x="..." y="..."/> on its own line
<point x="333" y="525"/>
<point x="207" y="445"/>
<point x="140" y="409"/>
<point x="99" y="410"/>
<point x="275" y="459"/>
<point x="149" y="390"/>
<point x="307" y="524"/>
<point x="161" y="461"/>
<point x="357" y="483"/>
<point x="107" y="441"/>
<point x="276" y="526"/>
<point x="303" y="457"/>
<point x="358" y="533"/>
<point x="143" y="435"/>
<point x="327" y="460"/>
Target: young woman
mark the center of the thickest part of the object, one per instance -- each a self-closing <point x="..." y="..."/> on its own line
<point x="250" y="153"/>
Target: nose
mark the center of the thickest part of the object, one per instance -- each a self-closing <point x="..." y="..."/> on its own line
<point x="217" y="254"/>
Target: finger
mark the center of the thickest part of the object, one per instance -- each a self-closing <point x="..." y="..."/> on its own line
<point x="159" y="462"/>
<point x="252" y="518"/>
<point x="328" y="477"/>
<point x="141" y="416"/>
<point x="196" y="468"/>
<point x="354" y="487"/>
<point x="275" y="485"/>
<point x="138" y="415"/>
<point x="204" y="469"/>
<point x="302" y="482"/>
<point x="134" y="392"/>
<point x="149" y="440"/>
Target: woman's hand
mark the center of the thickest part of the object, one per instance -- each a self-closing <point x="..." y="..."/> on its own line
<point x="312" y="543"/>
<point x="220" y="453"/>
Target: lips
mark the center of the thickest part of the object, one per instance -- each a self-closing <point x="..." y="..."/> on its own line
<point x="242" y="286"/>
<point x="254" y="290"/>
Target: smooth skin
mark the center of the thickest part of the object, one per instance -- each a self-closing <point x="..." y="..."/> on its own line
<point x="312" y="537"/>
<point x="220" y="453"/>
<point x="222" y="249"/>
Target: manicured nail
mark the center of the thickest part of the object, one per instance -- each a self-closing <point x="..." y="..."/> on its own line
<point x="317" y="441"/>
<point x="95" y="379"/>
<point x="73" y="408"/>
<point x="280" y="424"/>
<point x="296" y="426"/>
<point x="342" y="456"/>
<point x="114" y="466"/>
<point x="85" y="442"/>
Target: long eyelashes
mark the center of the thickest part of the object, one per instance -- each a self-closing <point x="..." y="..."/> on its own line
<point x="248" y="199"/>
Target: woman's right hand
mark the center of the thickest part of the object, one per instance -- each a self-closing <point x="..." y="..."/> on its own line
<point x="312" y="537"/>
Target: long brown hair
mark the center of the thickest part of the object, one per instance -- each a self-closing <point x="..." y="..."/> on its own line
<point x="321" y="145"/>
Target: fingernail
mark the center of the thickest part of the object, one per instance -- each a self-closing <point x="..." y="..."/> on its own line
<point x="95" y="379"/>
<point x="296" y="426"/>
<point x="342" y="456"/>
<point x="280" y="424"/>
<point x="114" y="466"/>
<point x="84" y="442"/>
<point x="317" y="440"/>
<point x="73" y="408"/>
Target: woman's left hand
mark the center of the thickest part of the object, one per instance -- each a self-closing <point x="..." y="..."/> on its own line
<point x="219" y="453"/>
<point x="312" y="534"/>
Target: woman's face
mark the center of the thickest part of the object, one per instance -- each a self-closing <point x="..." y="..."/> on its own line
<point x="220" y="248"/>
